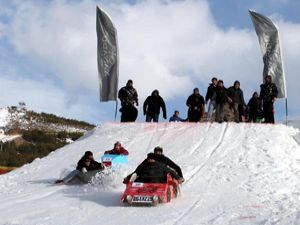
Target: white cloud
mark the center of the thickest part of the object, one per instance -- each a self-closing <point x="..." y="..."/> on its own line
<point x="45" y="96"/>
<point x="172" y="46"/>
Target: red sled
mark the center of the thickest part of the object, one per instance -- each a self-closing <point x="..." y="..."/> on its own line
<point x="150" y="193"/>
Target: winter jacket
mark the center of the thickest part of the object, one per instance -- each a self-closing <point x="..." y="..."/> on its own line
<point x="237" y="96"/>
<point x="128" y="96"/>
<point x="153" y="104"/>
<point x="254" y="107"/>
<point x="122" y="151"/>
<point x="93" y="165"/>
<point x="176" y="119"/>
<point x="154" y="172"/>
<point x="268" y="92"/>
<point x="168" y="162"/>
<point x="195" y="102"/>
<point x="221" y="95"/>
<point x="211" y="93"/>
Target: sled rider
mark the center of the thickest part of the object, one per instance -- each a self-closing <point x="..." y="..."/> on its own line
<point x="86" y="169"/>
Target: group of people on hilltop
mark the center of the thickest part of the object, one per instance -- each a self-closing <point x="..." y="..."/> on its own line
<point x="217" y="97"/>
<point x="258" y="107"/>
<point x="153" y="169"/>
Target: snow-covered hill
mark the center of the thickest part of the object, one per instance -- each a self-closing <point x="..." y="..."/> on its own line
<point x="15" y="119"/>
<point x="235" y="174"/>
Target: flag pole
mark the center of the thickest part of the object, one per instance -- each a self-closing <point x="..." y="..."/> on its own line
<point x="286" y="112"/>
<point x="116" y="112"/>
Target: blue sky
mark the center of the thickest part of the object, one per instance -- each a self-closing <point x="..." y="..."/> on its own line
<point x="48" y="51"/>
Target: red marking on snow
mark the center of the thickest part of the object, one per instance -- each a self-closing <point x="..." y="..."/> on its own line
<point x="247" y="217"/>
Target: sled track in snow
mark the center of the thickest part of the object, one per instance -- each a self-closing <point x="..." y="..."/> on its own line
<point x="221" y="139"/>
<point x="208" y="126"/>
<point x="189" y="210"/>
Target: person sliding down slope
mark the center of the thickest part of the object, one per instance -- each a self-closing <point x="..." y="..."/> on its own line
<point x="152" y="171"/>
<point x="86" y="169"/>
<point x="117" y="150"/>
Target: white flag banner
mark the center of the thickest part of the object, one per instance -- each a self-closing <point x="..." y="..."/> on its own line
<point x="107" y="56"/>
<point x="268" y="37"/>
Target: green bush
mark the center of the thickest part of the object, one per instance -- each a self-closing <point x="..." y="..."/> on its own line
<point x="37" y="144"/>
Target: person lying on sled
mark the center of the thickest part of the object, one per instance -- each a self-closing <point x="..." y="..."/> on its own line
<point x="117" y="150"/>
<point x="86" y="169"/>
<point x="152" y="171"/>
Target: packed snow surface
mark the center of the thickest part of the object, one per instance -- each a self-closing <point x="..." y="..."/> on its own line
<point x="235" y="174"/>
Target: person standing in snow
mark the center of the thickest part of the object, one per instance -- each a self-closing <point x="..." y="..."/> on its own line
<point x="152" y="107"/>
<point x="268" y="94"/>
<point x="254" y="108"/>
<point x="235" y="93"/>
<point x="128" y="97"/>
<point x="86" y="169"/>
<point x="211" y="97"/>
<point x="221" y="100"/>
<point x="195" y="104"/>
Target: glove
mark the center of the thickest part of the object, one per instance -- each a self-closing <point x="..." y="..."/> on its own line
<point x="137" y="103"/>
<point x="180" y="180"/>
<point x="165" y="116"/>
<point x="144" y="113"/>
<point x="126" y="180"/>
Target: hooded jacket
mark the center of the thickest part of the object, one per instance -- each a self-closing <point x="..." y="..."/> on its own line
<point x="153" y="104"/>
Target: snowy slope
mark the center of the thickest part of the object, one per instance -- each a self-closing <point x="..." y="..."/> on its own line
<point x="235" y="174"/>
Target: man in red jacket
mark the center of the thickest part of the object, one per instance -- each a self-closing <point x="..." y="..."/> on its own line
<point x="117" y="150"/>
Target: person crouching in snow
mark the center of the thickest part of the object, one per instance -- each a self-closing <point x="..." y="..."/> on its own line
<point x="117" y="150"/>
<point x="86" y="169"/>
<point x="176" y="118"/>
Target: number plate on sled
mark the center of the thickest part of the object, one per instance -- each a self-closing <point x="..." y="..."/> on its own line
<point x="106" y="159"/>
<point x="136" y="184"/>
<point x="145" y="199"/>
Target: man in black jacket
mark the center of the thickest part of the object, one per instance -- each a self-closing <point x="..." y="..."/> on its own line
<point x="158" y="151"/>
<point x="254" y="108"/>
<point x="86" y="169"/>
<point x="128" y="97"/>
<point x="221" y="100"/>
<point x="211" y="97"/>
<point x="268" y="94"/>
<point x="152" y="171"/>
<point x="94" y="165"/>
<point x="196" y="109"/>
<point x="152" y="107"/>
<point x="235" y="93"/>
<point x="159" y="157"/>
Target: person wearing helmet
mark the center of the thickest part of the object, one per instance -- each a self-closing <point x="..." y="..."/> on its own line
<point x="268" y="94"/>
